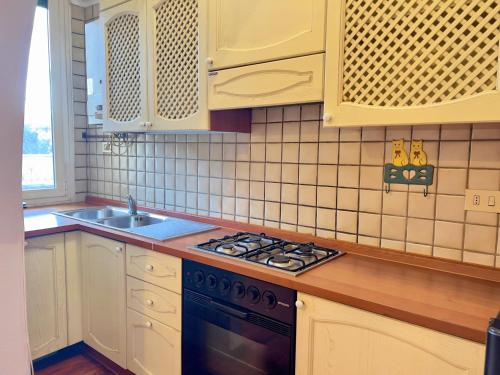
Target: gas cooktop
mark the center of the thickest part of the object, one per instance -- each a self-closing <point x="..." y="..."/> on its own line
<point x="290" y="257"/>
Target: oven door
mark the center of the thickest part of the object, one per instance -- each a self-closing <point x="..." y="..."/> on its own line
<point x="220" y="339"/>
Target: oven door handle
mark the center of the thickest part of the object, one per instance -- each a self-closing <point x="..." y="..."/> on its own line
<point x="229" y="310"/>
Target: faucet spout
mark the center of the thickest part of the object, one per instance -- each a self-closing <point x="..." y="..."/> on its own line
<point x="132" y="205"/>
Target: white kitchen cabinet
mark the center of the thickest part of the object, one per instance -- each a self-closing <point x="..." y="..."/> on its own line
<point x="153" y="348"/>
<point x="297" y="80"/>
<point x="125" y="85"/>
<point x="46" y="294"/>
<point x="104" y="296"/>
<point x="337" y="339"/>
<point x="106" y="4"/>
<point x="177" y="74"/>
<point x="412" y="62"/>
<point x="243" y="32"/>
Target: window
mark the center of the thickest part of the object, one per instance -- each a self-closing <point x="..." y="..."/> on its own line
<point x="38" y="150"/>
<point x="46" y="140"/>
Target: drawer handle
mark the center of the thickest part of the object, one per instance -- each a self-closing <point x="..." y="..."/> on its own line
<point x="149" y="267"/>
<point x="209" y="61"/>
<point x="119" y="249"/>
<point x="148" y="324"/>
<point x="149" y="302"/>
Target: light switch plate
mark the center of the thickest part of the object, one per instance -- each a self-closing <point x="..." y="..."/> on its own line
<point x="482" y="200"/>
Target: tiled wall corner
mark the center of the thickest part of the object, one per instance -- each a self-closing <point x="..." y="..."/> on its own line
<point x="79" y="99"/>
<point x="293" y="174"/>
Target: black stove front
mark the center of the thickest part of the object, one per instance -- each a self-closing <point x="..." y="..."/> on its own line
<point x="235" y="325"/>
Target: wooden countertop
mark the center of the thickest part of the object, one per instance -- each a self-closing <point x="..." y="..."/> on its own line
<point x="446" y="296"/>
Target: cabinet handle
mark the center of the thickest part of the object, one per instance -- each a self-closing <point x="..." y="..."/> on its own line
<point x="119" y="249"/>
<point x="299" y="304"/>
<point x="209" y="61"/>
<point x="148" y="324"/>
<point x="149" y="302"/>
<point x="327" y="117"/>
<point x="149" y="267"/>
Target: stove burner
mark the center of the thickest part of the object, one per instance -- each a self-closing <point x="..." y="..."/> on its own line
<point x="305" y="250"/>
<point x="226" y="249"/>
<point x="279" y="261"/>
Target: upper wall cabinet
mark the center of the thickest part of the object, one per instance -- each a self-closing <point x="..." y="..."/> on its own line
<point x="273" y="49"/>
<point x="412" y="62"/>
<point x="244" y="32"/>
<point x="124" y="28"/>
<point x="176" y="59"/>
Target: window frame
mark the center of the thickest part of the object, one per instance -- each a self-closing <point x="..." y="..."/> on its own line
<point x="60" y="48"/>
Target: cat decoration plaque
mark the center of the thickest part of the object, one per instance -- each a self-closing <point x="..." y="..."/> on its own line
<point x="410" y="169"/>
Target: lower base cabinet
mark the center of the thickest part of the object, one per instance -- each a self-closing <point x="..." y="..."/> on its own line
<point x="46" y="294"/>
<point x="104" y="295"/>
<point x="336" y="339"/>
<point x="152" y="347"/>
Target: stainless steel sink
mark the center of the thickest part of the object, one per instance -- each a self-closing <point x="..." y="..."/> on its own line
<point x="134" y="221"/>
<point x="95" y="213"/>
<point x="137" y="223"/>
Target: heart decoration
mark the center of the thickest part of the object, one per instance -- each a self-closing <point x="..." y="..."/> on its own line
<point x="409" y="174"/>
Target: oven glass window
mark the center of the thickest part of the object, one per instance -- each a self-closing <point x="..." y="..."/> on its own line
<point x="217" y="343"/>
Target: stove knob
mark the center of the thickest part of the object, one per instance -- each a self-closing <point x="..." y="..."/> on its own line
<point x="253" y="294"/>
<point x="269" y="299"/>
<point x="211" y="281"/>
<point x="224" y="286"/>
<point x="238" y="290"/>
<point x="199" y="278"/>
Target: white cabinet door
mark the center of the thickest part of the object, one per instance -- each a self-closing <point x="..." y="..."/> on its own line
<point x="297" y="80"/>
<point x="46" y="294"/>
<point x="337" y="339"/>
<point x="243" y="32"/>
<point x="177" y="46"/>
<point x="153" y="348"/>
<point x="412" y="62"/>
<point x="124" y="30"/>
<point x="104" y="306"/>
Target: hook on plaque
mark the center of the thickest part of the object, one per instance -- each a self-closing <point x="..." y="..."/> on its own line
<point x="388" y="188"/>
<point x="426" y="190"/>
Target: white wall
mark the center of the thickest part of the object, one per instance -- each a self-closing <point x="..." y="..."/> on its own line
<point x="16" y="18"/>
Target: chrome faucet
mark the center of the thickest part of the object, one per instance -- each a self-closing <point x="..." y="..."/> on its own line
<point x="132" y="205"/>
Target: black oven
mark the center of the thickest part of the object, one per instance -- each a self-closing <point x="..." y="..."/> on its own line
<point x="235" y="325"/>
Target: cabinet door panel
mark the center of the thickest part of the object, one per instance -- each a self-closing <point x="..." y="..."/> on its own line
<point x="159" y="269"/>
<point x="297" y="80"/>
<point x="337" y="339"/>
<point x="243" y="32"/>
<point x="125" y="107"/>
<point x="46" y="294"/>
<point x="411" y="71"/>
<point x="104" y="296"/>
<point x="153" y="348"/>
<point x="177" y="46"/>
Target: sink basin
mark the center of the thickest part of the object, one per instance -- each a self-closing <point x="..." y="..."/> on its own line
<point x="135" y="221"/>
<point x="95" y="213"/>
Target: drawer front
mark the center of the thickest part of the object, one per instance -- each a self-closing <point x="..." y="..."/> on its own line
<point x="297" y="80"/>
<point x="152" y="348"/>
<point x="155" y="302"/>
<point x="159" y="269"/>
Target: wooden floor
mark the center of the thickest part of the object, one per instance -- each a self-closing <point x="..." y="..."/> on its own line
<point x="77" y="365"/>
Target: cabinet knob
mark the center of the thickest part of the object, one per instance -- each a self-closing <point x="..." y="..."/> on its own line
<point x="148" y="324"/>
<point x="149" y="302"/>
<point x="149" y="267"/>
<point x="327" y="117"/>
<point x="119" y="249"/>
<point x="299" y="304"/>
<point x="209" y="61"/>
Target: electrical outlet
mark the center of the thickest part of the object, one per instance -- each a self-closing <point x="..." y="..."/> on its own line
<point x="482" y="200"/>
<point x="106" y="147"/>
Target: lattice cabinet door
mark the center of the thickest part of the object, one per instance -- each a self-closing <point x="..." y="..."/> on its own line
<point x="243" y="32"/>
<point x="177" y="49"/>
<point x="124" y="30"/>
<point x="412" y="62"/>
